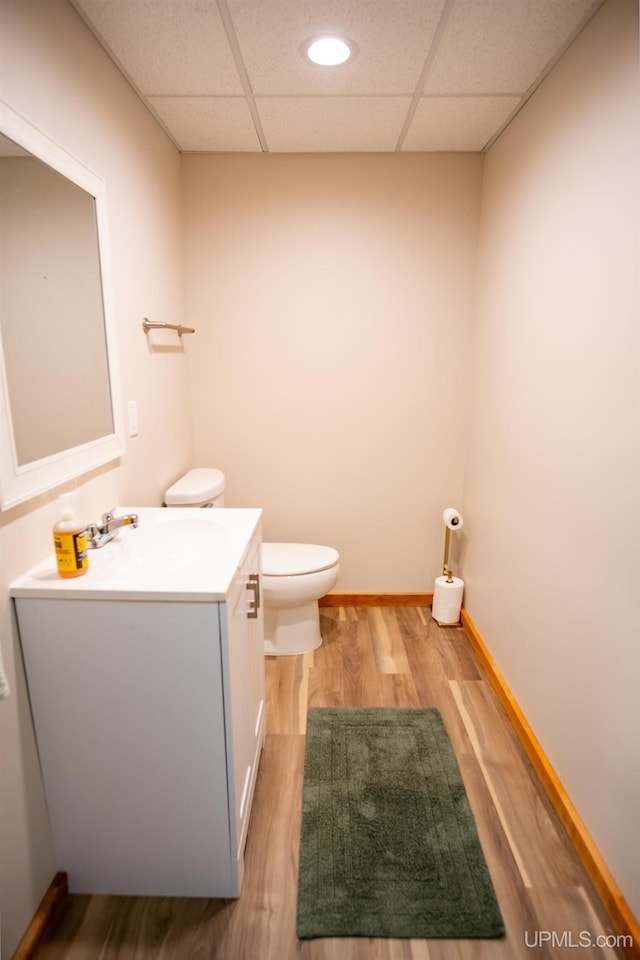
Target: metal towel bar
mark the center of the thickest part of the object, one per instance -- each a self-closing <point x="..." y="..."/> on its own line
<point x="160" y="325"/>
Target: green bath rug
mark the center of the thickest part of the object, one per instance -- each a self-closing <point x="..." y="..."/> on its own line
<point x="389" y="846"/>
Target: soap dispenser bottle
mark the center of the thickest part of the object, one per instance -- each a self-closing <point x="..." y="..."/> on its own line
<point x="69" y="538"/>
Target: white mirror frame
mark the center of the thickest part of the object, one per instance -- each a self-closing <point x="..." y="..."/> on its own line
<point x="20" y="482"/>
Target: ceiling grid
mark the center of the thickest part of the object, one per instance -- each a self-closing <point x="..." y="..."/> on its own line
<point x="428" y="75"/>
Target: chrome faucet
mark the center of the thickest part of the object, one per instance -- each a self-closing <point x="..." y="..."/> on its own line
<point x="100" y="533"/>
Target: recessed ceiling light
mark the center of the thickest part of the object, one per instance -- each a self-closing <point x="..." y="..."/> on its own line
<point x="328" y="51"/>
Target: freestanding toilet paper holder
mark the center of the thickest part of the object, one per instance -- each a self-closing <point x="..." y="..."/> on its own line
<point x="447" y="599"/>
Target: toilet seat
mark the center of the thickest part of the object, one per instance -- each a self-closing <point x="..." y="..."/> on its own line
<point x="296" y="559"/>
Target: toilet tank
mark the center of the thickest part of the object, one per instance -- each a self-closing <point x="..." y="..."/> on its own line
<point x="202" y="487"/>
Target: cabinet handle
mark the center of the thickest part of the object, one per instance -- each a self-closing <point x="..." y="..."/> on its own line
<point x="254" y="584"/>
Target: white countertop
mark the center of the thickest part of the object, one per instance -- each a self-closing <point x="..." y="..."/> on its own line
<point x="185" y="554"/>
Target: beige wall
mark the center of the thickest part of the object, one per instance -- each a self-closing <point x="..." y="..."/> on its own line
<point x="55" y="74"/>
<point x="553" y="476"/>
<point x="332" y="297"/>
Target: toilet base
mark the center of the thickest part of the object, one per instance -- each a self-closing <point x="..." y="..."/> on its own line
<point x="291" y="630"/>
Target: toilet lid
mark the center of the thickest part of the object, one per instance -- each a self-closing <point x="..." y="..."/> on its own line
<point x="294" y="559"/>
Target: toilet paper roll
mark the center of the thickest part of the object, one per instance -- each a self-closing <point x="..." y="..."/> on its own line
<point x="452" y="519"/>
<point x="447" y="600"/>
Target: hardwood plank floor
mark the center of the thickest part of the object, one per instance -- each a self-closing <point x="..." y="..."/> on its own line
<point x="371" y="656"/>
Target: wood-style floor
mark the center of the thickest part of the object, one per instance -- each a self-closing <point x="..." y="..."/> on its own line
<point x="371" y="656"/>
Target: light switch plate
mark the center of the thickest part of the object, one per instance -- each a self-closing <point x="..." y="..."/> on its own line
<point x="132" y="410"/>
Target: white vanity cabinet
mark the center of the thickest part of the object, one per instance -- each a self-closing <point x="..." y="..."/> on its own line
<point x="148" y="703"/>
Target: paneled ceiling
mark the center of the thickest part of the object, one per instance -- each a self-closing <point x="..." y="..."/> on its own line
<point x="429" y="75"/>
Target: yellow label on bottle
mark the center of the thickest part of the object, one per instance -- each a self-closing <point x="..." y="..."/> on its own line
<point x="71" y="552"/>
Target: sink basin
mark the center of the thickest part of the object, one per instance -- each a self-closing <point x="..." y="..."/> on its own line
<point x="173" y="554"/>
<point x="165" y="542"/>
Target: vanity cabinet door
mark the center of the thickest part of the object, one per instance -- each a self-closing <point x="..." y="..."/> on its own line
<point x="234" y="660"/>
<point x="243" y="680"/>
<point x="255" y="654"/>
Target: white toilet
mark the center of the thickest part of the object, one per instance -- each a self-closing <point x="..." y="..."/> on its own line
<point x="294" y="575"/>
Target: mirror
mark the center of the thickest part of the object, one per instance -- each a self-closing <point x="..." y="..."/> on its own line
<point x="59" y="412"/>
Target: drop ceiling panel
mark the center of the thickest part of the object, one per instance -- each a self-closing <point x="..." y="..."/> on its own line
<point x="393" y="40"/>
<point x="166" y="47"/>
<point x="207" y="123"/>
<point x="502" y="46"/>
<point x="457" y="123"/>
<point x="335" y="124"/>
